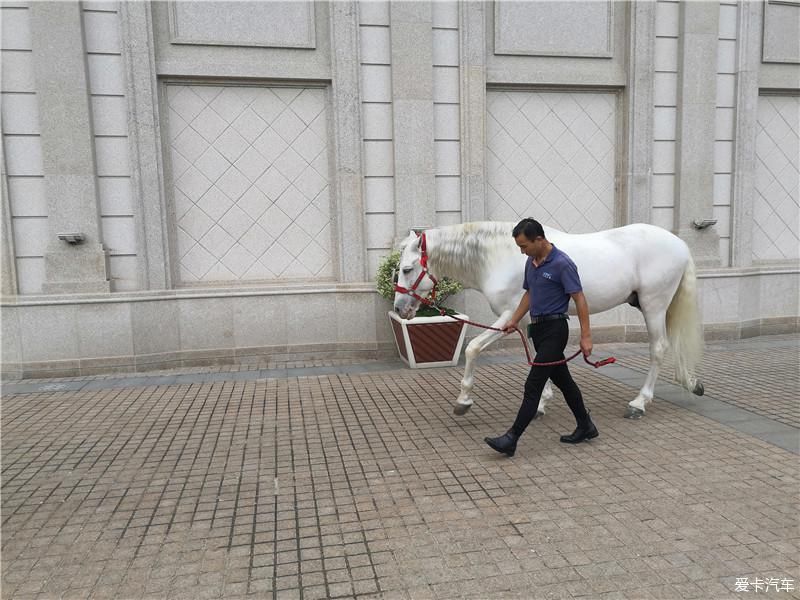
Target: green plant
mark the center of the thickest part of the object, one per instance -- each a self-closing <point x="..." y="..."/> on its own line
<point x="384" y="283"/>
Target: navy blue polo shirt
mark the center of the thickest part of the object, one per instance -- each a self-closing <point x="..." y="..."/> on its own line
<point x="551" y="283"/>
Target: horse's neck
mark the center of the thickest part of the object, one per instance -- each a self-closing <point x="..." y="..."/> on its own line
<point x="464" y="256"/>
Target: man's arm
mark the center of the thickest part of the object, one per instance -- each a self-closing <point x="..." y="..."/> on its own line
<point x="583" y="316"/>
<point x="519" y="313"/>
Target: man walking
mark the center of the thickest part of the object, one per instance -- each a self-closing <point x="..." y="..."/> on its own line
<point x="551" y="279"/>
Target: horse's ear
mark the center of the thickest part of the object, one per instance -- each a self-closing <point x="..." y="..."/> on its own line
<point x="418" y="237"/>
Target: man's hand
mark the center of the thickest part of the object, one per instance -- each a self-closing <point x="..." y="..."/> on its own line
<point x="586" y="345"/>
<point x="510" y="327"/>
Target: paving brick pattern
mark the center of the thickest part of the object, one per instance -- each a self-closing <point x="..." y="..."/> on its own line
<point x="366" y="486"/>
<point x="753" y="374"/>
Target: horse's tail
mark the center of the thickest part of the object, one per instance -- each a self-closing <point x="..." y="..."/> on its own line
<point x="685" y="330"/>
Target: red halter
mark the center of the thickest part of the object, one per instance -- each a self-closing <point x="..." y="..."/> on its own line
<point x="423" y="263"/>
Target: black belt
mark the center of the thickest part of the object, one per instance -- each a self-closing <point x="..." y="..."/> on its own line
<point x="543" y="318"/>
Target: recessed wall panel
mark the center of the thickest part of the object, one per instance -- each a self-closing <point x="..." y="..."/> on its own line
<point x="272" y="24"/>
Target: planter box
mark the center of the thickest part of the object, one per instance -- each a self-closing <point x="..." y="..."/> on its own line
<point x="428" y="341"/>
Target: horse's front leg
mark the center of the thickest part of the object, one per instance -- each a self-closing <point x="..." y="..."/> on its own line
<point x="474" y="348"/>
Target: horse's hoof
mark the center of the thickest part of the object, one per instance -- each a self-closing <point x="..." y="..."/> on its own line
<point x="698" y="390"/>
<point x="633" y="413"/>
<point x="461" y="409"/>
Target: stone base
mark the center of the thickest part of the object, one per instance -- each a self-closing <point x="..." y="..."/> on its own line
<point x="77" y="270"/>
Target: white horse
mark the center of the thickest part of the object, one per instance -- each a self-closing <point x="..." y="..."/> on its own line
<point x="642" y="265"/>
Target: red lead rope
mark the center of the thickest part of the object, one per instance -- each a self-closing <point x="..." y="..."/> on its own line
<point x="563" y="361"/>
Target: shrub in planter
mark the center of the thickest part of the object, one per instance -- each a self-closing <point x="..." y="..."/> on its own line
<point x="429" y="339"/>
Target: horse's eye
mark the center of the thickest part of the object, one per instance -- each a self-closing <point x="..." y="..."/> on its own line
<point x="407" y="270"/>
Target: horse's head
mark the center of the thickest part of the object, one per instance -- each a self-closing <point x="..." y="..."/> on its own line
<point x="412" y="283"/>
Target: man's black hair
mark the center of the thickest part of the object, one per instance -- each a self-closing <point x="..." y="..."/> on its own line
<point x="530" y="228"/>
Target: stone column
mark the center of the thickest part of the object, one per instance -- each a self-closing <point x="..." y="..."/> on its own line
<point x="745" y="131"/>
<point x="473" y="110"/>
<point x="694" y="163"/>
<point x="147" y="167"/>
<point x="67" y="150"/>
<point x="641" y="58"/>
<point x="346" y="111"/>
<point x="412" y="104"/>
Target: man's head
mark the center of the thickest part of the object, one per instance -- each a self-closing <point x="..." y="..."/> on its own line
<point x="529" y="236"/>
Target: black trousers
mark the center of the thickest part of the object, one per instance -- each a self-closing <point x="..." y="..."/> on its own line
<point x="549" y="340"/>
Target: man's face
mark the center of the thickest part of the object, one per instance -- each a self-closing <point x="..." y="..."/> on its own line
<point x="529" y="247"/>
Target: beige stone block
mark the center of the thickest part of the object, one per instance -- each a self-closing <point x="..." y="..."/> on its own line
<point x="109" y="115"/>
<point x="27" y="197"/>
<point x="155" y="327"/>
<point x="205" y="324"/>
<point x="666" y="55"/>
<point x="20" y="114"/>
<point x="261" y="321"/>
<point x="444" y="14"/>
<point x="104" y="330"/>
<point x="106" y="74"/>
<point x="101" y="32"/>
<point x="379" y="194"/>
<point x="374" y="12"/>
<point x="23" y="155"/>
<point x="445" y="48"/>
<point x="30" y="275"/>
<point x="376" y="83"/>
<point x="30" y="236"/>
<point x="48" y="333"/>
<point x="667" y="19"/>
<point x="16" y="30"/>
<point x="17" y="72"/>
<point x="375" y="45"/>
<point x="119" y="234"/>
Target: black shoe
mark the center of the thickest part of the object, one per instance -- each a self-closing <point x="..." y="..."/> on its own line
<point x="505" y="444"/>
<point x="585" y="431"/>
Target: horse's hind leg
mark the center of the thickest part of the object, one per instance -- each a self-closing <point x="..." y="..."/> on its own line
<point x="547" y="395"/>
<point x="657" y="332"/>
<point x="474" y="348"/>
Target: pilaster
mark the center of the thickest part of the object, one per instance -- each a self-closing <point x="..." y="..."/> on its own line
<point x="745" y="131"/>
<point x="67" y="150"/>
<point x="412" y="104"/>
<point x="473" y="110"/>
<point x="8" y="272"/>
<point x="694" y="163"/>
<point x="641" y="58"/>
<point x="147" y="171"/>
<point x="346" y="101"/>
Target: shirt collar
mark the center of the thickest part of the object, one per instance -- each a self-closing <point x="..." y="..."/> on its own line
<point x="550" y="256"/>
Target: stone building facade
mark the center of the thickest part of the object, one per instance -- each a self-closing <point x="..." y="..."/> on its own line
<point x="210" y="182"/>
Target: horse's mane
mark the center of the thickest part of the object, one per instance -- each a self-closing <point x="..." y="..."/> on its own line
<point x="463" y="251"/>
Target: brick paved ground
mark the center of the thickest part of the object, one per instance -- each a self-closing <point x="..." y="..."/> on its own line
<point x="353" y="484"/>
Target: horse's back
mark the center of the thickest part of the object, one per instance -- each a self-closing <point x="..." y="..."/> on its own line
<point x="612" y="264"/>
<point x="615" y="263"/>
